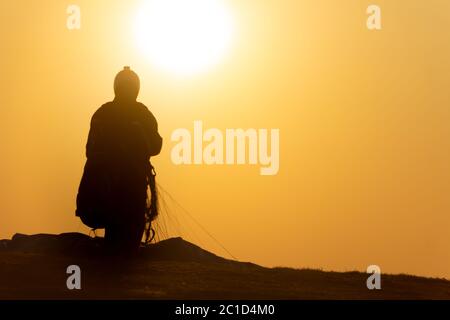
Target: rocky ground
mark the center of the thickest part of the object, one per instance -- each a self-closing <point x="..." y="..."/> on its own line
<point x="35" y="267"/>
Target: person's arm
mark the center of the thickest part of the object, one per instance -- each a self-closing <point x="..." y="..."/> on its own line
<point x="154" y="140"/>
<point x="91" y="139"/>
<point x="94" y="133"/>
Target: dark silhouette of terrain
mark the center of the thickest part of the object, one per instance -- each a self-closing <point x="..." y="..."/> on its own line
<point x="34" y="267"/>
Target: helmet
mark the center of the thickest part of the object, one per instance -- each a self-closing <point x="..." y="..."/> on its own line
<point x="126" y="84"/>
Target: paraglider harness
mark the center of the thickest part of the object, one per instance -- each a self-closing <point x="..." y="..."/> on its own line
<point x="151" y="210"/>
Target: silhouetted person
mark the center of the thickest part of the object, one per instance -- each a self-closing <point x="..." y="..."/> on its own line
<point x="113" y="190"/>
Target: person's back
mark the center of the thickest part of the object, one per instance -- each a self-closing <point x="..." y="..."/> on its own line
<point x="113" y="191"/>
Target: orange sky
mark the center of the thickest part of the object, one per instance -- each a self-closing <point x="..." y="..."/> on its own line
<point x="363" y="116"/>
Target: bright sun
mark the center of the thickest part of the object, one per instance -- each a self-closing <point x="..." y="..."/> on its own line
<point x="183" y="36"/>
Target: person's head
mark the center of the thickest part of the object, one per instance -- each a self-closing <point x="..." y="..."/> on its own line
<point x="126" y="84"/>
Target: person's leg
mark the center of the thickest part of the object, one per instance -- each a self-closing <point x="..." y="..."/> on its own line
<point x="125" y="238"/>
<point x="125" y="232"/>
<point x="112" y="238"/>
<point x="133" y="232"/>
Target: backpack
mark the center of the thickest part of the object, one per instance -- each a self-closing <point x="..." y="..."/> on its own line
<point x="93" y="196"/>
